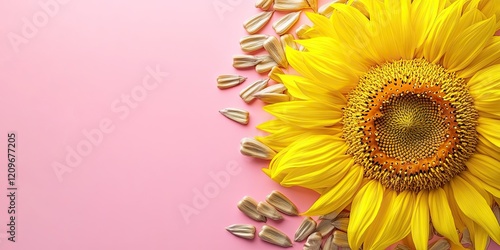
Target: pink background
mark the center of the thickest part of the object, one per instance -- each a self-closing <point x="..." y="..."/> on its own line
<point x="157" y="152"/>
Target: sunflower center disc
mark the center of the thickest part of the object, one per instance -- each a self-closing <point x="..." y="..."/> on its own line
<point x="411" y="125"/>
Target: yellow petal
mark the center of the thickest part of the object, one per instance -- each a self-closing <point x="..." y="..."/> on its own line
<point x="396" y="223"/>
<point x="378" y="223"/>
<point x="317" y="153"/>
<point x="468" y="45"/>
<point x="475" y="207"/>
<point x="423" y="14"/>
<point x="364" y="209"/>
<point x="443" y="32"/>
<point x="484" y="87"/>
<point x="441" y="215"/>
<point x="494" y="191"/>
<point x="282" y="139"/>
<point x="485" y="168"/>
<point x="339" y="194"/>
<point x="487" y="148"/>
<point x="306" y="114"/>
<point x="490" y="55"/>
<point x="273" y="126"/>
<point x="488" y="127"/>
<point x="322" y="68"/>
<point x="420" y="221"/>
<point x="306" y="89"/>
<point x="317" y="178"/>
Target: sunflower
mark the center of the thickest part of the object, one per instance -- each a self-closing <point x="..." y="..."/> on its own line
<point x="394" y="116"/>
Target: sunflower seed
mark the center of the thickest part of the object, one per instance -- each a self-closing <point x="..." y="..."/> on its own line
<point x="286" y="22"/>
<point x="313" y="4"/>
<point x="287" y="40"/>
<point x="245" y="61"/>
<point x="263" y="4"/>
<point x="266" y="64"/>
<point x="275" y="88"/>
<point x="329" y="216"/>
<point x="282" y="203"/>
<point x="305" y="229"/>
<point x="329" y="244"/>
<point x="242" y="230"/>
<point x="257" y="149"/>
<point x="441" y="244"/>
<point x="275" y="50"/>
<point x="334" y="215"/>
<point x="237" y="115"/>
<point x="313" y="242"/>
<point x="340" y="239"/>
<point x="302" y="31"/>
<point x="228" y="81"/>
<point x="247" y="94"/>
<point x="324" y="227"/>
<point x="341" y="224"/>
<point x="257" y="22"/>
<point x="269" y="211"/>
<point x="274" y="236"/>
<point x="253" y="43"/>
<point x="274" y="74"/>
<point x="402" y="247"/>
<point x="290" y="5"/>
<point x="248" y="206"/>
<point x="271" y="98"/>
<point x="465" y="237"/>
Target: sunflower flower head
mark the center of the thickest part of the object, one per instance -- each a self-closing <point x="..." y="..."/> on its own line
<point x="393" y="116"/>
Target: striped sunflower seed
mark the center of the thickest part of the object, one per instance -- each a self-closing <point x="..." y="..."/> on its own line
<point x="274" y="74"/>
<point x="340" y="238"/>
<point x="441" y="244"/>
<point x="275" y="50"/>
<point x="341" y="224"/>
<point x="237" y="115"/>
<point x="248" y="206"/>
<point x="305" y="229"/>
<point x="286" y="22"/>
<point x="266" y="64"/>
<point x="313" y="242"/>
<point x="324" y="227"/>
<point x="282" y="203"/>
<point x="327" y="9"/>
<point x="274" y="236"/>
<point x="334" y="215"/>
<point x="228" y="81"/>
<point x="269" y="211"/>
<point x="329" y="244"/>
<point x="290" y="5"/>
<point x="287" y="40"/>
<point x="257" y="22"/>
<point x="271" y="98"/>
<point x="242" y="230"/>
<point x="275" y="88"/>
<point x="247" y="94"/>
<point x="245" y="61"/>
<point x="263" y="4"/>
<point x="252" y="43"/>
<point x="257" y="149"/>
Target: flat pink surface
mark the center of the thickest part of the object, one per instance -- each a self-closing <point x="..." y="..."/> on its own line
<point x="114" y="104"/>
